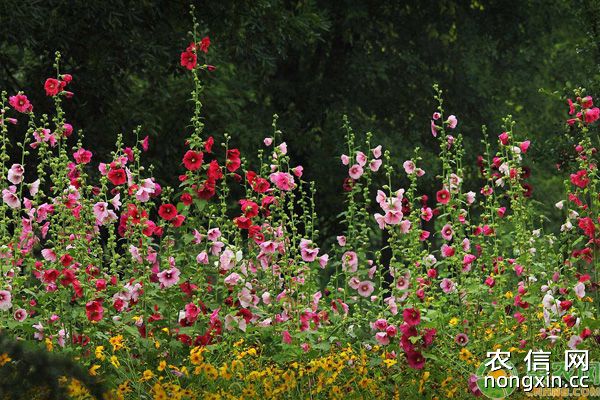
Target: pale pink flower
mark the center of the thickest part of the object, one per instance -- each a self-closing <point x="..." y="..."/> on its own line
<point x="100" y="211"/>
<point x="345" y="159"/>
<point x="34" y="188"/>
<point x="409" y="167"/>
<point x="374" y="165"/>
<point x="436" y="116"/>
<point x="283" y="148"/>
<point x="382" y="338"/>
<point x="380" y="220"/>
<point x="365" y="288"/>
<point x="433" y="129"/>
<point x="361" y="158"/>
<point x="376" y="151"/>
<point x="268" y="141"/>
<point x="470" y="197"/>
<point x="323" y="260"/>
<point x="232" y="279"/>
<point x="20" y="315"/>
<point x="349" y="261"/>
<point x="15" y="174"/>
<point x="202" y="258"/>
<point x="341" y="240"/>
<point x="452" y="121"/>
<point x="574" y="341"/>
<point x="355" y="171"/>
<point x="447" y="285"/>
<point x="307" y="251"/>
<point x="579" y="290"/>
<point x="5" y="300"/>
<point x="405" y="226"/>
<point x="10" y="198"/>
<point x="147" y="187"/>
<point x="393" y="217"/>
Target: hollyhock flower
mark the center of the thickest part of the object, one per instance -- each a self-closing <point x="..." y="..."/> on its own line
<point x="117" y="176"/>
<point x="415" y="360"/>
<point x="268" y="141"/>
<point x="15" y="174"/>
<point x="588" y="226"/>
<point x="232" y="279"/>
<point x="192" y="160"/>
<point x="382" y="338"/>
<point x="447" y="285"/>
<point x="169" y="277"/>
<point x="443" y="196"/>
<point x="286" y="337"/>
<point x="580" y="179"/>
<point x="452" y="121"/>
<point x="461" y="339"/>
<point x="341" y="240"/>
<point x="409" y="167"/>
<point x="374" y="165"/>
<point x="361" y="158"/>
<point x="10" y="198"/>
<point x="433" y="129"/>
<point x="579" y="290"/>
<point x="524" y="146"/>
<point x="20" y="315"/>
<point x="436" y="115"/>
<point x="405" y="226"/>
<point x="5" y="300"/>
<point x="82" y="156"/>
<point x="204" y="44"/>
<point x="21" y="103"/>
<point x="94" y="310"/>
<point x="52" y="87"/>
<point x="447" y="251"/>
<point x="283" y="180"/>
<point x="574" y="341"/>
<point x="592" y="115"/>
<point x="308" y="252"/>
<point x="298" y="171"/>
<point x="345" y="159"/>
<point x="411" y="316"/>
<point x="376" y="151"/>
<point x="350" y="261"/>
<point x="167" y="211"/>
<point x="504" y="138"/>
<point x="447" y="232"/>
<point x="365" y="288"/>
<point x="355" y="171"/>
<point x="189" y="60"/>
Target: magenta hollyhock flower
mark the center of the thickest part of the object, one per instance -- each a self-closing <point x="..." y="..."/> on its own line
<point x="415" y="360"/>
<point x="283" y="180"/>
<point x="21" y="103"/>
<point x="412" y="316"/>
<point x="286" y="337"/>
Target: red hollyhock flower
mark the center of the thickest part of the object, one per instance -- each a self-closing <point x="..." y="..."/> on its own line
<point x="443" y="196"/>
<point x="569" y="320"/>
<point x="186" y="199"/>
<point x="580" y="179"/>
<point x="243" y="222"/>
<point x="167" y="211"/>
<point x="249" y="208"/>
<point x="588" y="227"/>
<point x="21" y="103"/>
<point x="52" y="87"/>
<point x="204" y="44"/>
<point x="189" y="60"/>
<point x="117" y="176"/>
<point x="233" y="160"/>
<point x="178" y="221"/>
<point x="206" y="190"/>
<point x="214" y="171"/>
<point x="193" y="160"/>
<point x="94" y="310"/>
<point x="209" y="144"/>
<point x="411" y="316"/>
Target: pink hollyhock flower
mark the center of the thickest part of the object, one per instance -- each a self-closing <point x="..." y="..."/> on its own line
<point x="345" y="159"/>
<point x="34" y="187"/>
<point x="202" y="258"/>
<point x="461" y="339"/>
<point x="393" y="217"/>
<point x="341" y="240"/>
<point x="5" y="300"/>
<point x="579" y="290"/>
<point x="268" y="141"/>
<point x="349" y="261"/>
<point x="519" y="317"/>
<point x="52" y="87"/>
<point x="411" y="316"/>
<point x="504" y="138"/>
<point x="374" y="165"/>
<point x="146" y="188"/>
<point x="100" y="211"/>
<point x="470" y="196"/>
<point x="574" y="341"/>
<point x="355" y="171"/>
<point x="21" y="103"/>
<point x="232" y="279"/>
<point x="426" y="213"/>
<point x="298" y="171"/>
<point x="361" y="158"/>
<point x="168" y="277"/>
<point x="15" y="174"/>
<point x="283" y="148"/>
<point x="380" y="324"/>
<point x="145" y="143"/>
<point x="323" y="260"/>
<point x="436" y="115"/>
<point x="309" y="254"/>
<point x="524" y="146"/>
<point x="433" y="129"/>
<point x="20" y="315"/>
<point x="380" y="219"/>
<point x="447" y="232"/>
<point x="580" y="179"/>
<point x="405" y="226"/>
<point x="409" y="167"/>
<point x="67" y="129"/>
<point x="286" y="337"/>
<point x="376" y="151"/>
<point x="10" y="198"/>
<point x="382" y="338"/>
<point x="452" y="121"/>
<point x="415" y="360"/>
<point x="283" y="180"/>
<point x="447" y="251"/>
<point x="365" y="288"/>
<point x="447" y="285"/>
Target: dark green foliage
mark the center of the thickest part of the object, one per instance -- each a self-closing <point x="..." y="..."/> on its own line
<point x="310" y="62"/>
